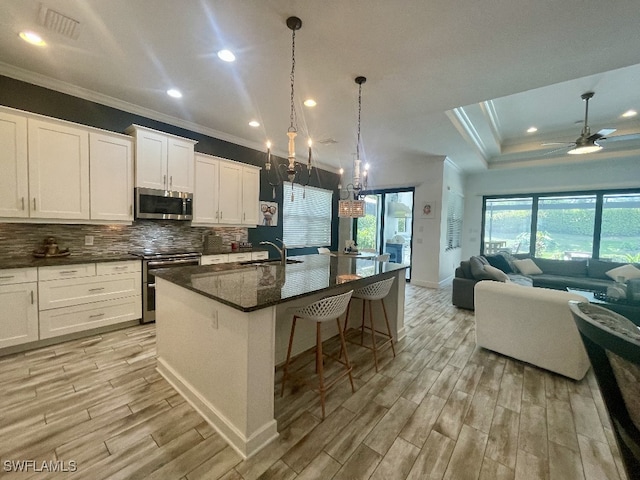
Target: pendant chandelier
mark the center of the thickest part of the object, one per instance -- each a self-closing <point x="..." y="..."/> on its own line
<point x="293" y="169"/>
<point x="352" y="205"/>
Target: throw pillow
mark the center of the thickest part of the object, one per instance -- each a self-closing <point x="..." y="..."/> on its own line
<point x="628" y="272"/>
<point x="477" y="268"/>
<point x="496" y="273"/>
<point x="500" y="262"/>
<point x="527" y="266"/>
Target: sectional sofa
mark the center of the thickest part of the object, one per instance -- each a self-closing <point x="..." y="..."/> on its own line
<point x="583" y="274"/>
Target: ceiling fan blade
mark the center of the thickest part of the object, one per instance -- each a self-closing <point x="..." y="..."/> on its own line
<point x="626" y="137"/>
<point x="601" y="134"/>
<point x="558" y="143"/>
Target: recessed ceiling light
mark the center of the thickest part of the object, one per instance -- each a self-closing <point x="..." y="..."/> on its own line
<point x="532" y="130"/>
<point x="32" y="38"/>
<point x="175" y="93"/>
<point x="254" y="123"/>
<point x="310" y="102"/>
<point x="629" y="113"/>
<point x="226" y="55"/>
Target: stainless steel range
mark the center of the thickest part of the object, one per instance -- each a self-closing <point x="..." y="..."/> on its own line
<point x="154" y="260"/>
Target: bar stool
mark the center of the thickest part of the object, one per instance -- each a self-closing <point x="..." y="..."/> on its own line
<point x="375" y="291"/>
<point x="323" y="310"/>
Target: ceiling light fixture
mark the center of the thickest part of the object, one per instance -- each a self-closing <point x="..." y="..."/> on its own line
<point x="174" y="93"/>
<point x="32" y="38"/>
<point x="294" y="168"/>
<point x="226" y="55"/>
<point x="310" y="102"/>
<point x="532" y="130"/>
<point x="352" y="206"/>
<point x="254" y="123"/>
<point x="629" y="114"/>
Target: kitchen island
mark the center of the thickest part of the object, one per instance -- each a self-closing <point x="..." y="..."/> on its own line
<point x="222" y="329"/>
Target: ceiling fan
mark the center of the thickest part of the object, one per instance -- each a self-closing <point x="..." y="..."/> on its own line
<point x="587" y="142"/>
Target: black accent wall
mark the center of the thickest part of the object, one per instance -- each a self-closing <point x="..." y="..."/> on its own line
<point x="32" y="98"/>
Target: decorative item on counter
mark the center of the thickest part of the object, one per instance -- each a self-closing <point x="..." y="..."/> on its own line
<point x="245" y="245"/>
<point x="212" y="243"/>
<point x="50" y="249"/>
<point x="350" y="246"/>
<point x="234" y="246"/>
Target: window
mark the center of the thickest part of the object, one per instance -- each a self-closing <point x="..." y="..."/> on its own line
<point x="620" y="232"/>
<point x="568" y="225"/>
<point x="454" y="221"/>
<point x="507" y="225"/>
<point x="306" y="222"/>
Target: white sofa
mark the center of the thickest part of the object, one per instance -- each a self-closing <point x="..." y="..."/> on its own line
<point x="531" y="324"/>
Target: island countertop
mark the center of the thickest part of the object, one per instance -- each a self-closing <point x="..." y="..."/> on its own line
<point x="250" y="287"/>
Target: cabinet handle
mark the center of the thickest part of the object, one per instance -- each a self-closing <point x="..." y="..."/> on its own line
<point x="67" y="272"/>
<point x="7" y="277"/>
<point x="130" y="209"/>
<point x="244" y="216"/>
<point x="31" y="297"/>
<point x="96" y="289"/>
<point x="34" y="203"/>
<point x="22" y="203"/>
<point x="97" y="315"/>
<point x="122" y="267"/>
<point x="170" y="182"/>
<point x="164" y="181"/>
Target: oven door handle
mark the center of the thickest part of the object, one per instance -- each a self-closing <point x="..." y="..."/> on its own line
<point x="168" y="263"/>
<point x="151" y="285"/>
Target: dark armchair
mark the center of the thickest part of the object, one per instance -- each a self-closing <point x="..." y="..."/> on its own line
<point x="612" y="343"/>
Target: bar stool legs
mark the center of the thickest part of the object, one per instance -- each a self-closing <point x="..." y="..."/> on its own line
<point x="375" y="291"/>
<point x="321" y="311"/>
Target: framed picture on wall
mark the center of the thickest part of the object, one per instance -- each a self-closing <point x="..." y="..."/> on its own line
<point x="269" y="214"/>
<point x="428" y="209"/>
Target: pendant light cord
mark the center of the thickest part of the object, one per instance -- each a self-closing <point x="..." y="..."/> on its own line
<point x="292" y="116"/>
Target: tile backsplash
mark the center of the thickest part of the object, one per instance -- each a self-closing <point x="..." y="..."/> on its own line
<point x="19" y="239"/>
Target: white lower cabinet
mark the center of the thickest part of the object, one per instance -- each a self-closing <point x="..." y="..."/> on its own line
<point x="214" y="259"/>
<point x="19" y="306"/>
<point x="81" y="297"/>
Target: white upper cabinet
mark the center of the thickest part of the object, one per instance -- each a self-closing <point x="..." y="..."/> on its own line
<point x="230" y="193"/>
<point x="163" y="161"/>
<point x="14" y="179"/>
<point x="111" y="177"/>
<point x="58" y="170"/>
<point x="226" y="192"/>
<point x="250" y="195"/>
<point x="205" y="197"/>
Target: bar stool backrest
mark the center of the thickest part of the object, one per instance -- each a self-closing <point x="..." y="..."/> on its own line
<point x="328" y="308"/>
<point x="375" y="291"/>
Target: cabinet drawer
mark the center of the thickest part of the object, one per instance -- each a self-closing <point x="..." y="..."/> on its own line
<point x="110" y="268"/>
<point x="93" y="315"/>
<point x="214" y="259"/>
<point x="239" y="257"/>
<point x="259" y="255"/>
<point x="67" y="271"/>
<point x="67" y="292"/>
<point x="18" y="275"/>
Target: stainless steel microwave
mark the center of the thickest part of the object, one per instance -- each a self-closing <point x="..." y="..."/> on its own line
<point x="163" y="204"/>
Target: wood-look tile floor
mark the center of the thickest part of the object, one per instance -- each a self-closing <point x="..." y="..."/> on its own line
<point x="442" y="409"/>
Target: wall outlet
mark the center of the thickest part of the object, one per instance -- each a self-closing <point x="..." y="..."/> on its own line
<point x="88" y="239"/>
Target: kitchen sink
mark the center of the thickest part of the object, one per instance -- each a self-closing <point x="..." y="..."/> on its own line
<point x="268" y="262"/>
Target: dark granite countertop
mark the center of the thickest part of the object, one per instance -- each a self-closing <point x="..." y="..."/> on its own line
<point x="31" y="261"/>
<point x="255" y="286"/>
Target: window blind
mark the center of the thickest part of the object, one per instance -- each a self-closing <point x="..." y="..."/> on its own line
<point x="306" y="222"/>
<point x="454" y="221"/>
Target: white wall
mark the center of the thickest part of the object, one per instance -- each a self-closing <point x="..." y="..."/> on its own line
<point x="586" y="175"/>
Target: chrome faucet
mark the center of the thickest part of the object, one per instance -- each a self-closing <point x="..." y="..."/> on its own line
<point x="282" y="251"/>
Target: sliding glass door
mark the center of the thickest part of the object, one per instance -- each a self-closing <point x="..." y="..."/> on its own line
<point x="387" y="225"/>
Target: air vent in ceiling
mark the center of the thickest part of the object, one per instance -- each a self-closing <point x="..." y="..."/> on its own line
<point x="59" y="23"/>
<point x="327" y="141"/>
